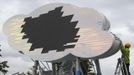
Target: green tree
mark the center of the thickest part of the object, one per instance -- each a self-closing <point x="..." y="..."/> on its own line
<point x="3" y="65"/>
<point x="28" y="73"/>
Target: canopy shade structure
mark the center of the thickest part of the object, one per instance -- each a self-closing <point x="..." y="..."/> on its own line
<point x="56" y="30"/>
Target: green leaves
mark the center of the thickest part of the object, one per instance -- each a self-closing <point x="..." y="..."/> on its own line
<point x="0" y="51"/>
<point x="3" y="65"/>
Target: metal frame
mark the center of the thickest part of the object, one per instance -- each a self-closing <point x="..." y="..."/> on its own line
<point x="120" y="68"/>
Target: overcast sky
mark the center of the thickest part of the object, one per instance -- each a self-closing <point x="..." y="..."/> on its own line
<point x="119" y="13"/>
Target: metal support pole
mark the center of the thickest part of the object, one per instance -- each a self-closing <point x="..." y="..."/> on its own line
<point x="98" y="67"/>
<point x="48" y="66"/>
<point x="44" y="66"/>
<point x="36" y="63"/>
<point x="54" y="68"/>
<point x="77" y="72"/>
<point x="78" y="67"/>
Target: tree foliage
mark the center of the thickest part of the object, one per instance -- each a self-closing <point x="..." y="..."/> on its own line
<point x="28" y="73"/>
<point x="3" y="65"/>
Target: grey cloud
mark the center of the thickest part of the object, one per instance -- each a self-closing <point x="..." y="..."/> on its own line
<point x="17" y="64"/>
<point x="119" y="12"/>
<point x="2" y="37"/>
<point x="7" y="52"/>
<point x="131" y="27"/>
